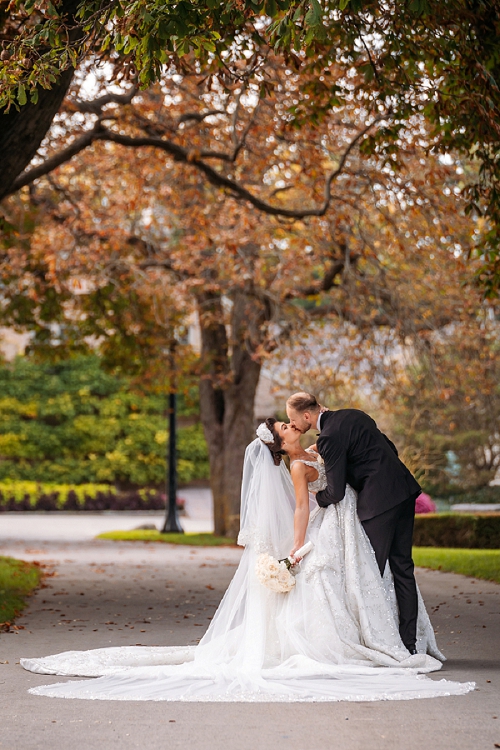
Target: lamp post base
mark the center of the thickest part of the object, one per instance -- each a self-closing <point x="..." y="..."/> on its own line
<point x="172" y="524"/>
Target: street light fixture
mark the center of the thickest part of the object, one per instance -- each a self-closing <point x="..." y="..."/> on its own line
<point x="172" y="523"/>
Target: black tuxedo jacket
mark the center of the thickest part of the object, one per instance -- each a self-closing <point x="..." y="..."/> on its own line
<point x="355" y="451"/>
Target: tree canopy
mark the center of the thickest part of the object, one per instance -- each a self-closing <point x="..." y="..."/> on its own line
<point x="440" y="60"/>
<point x="120" y="244"/>
<point x="260" y="166"/>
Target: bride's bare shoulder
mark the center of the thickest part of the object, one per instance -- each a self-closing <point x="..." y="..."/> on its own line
<point x="298" y="468"/>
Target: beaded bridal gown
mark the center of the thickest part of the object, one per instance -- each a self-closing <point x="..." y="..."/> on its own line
<point x="334" y="637"/>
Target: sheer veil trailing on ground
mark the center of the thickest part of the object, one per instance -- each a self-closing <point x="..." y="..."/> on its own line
<point x="333" y="637"/>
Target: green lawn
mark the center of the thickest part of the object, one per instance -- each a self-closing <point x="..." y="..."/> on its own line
<point x="144" y="535"/>
<point x="17" y="580"/>
<point x="477" y="563"/>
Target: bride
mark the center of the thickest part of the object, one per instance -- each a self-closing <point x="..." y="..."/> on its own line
<point x="333" y="637"/>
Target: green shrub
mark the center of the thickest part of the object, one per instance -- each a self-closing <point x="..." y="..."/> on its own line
<point x="73" y="423"/>
<point x="481" y="495"/>
<point x="478" y="531"/>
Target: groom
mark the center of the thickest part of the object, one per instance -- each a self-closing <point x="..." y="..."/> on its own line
<point x="356" y="452"/>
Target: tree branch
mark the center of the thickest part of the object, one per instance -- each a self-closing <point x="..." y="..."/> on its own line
<point x="95" y="106"/>
<point x="238" y="144"/>
<point x="165" y="265"/>
<point x="326" y="283"/>
<point x="185" y="156"/>
<point x="220" y="180"/>
<point x="79" y="144"/>
<point x="200" y="116"/>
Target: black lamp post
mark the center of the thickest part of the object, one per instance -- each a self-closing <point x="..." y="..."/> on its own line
<point x="172" y="523"/>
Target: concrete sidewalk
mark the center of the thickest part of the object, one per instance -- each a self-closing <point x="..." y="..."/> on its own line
<point x="104" y="593"/>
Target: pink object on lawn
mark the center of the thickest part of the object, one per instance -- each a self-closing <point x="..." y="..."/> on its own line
<point x="424" y="504"/>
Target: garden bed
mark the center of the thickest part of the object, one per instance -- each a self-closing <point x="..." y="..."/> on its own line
<point x="34" y="496"/>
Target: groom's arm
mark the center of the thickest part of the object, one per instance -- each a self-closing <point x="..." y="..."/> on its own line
<point x="335" y="458"/>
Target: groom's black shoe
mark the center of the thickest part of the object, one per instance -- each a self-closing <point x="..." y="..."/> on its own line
<point x="413" y="651"/>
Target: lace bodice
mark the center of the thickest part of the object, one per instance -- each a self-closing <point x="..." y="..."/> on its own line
<point x="320" y="483"/>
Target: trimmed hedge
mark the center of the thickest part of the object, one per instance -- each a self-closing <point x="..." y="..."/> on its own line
<point x="462" y="530"/>
<point x="25" y="496"/>
<point x="481" y="495"/>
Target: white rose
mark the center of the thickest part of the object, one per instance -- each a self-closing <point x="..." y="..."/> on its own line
<point x="283" y="576"/>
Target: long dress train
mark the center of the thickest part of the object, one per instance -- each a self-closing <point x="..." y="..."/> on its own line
<point x="333" y="637"/>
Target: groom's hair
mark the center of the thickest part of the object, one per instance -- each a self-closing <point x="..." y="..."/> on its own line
<point x="303" y="401"/>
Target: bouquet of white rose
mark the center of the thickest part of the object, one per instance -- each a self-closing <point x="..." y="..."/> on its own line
<point x="275" y="574"/>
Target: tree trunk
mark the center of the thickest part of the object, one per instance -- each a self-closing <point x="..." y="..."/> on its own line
<point x="227" y="440"/>
<point x="227" y="394"/>
<point x="21" y="132"/>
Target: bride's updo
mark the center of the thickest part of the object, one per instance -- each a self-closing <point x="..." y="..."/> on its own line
<point x="267" y="433"/>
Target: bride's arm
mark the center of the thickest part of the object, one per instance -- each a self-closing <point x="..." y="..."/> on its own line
<point x="301" y="516"/>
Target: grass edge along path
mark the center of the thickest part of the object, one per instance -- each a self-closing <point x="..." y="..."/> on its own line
<point x="475" y="563"/>
<point x="18" y="579"/>
<point x="147" y="535"/>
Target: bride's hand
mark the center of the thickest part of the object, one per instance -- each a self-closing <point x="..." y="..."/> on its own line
<point x="292" y="553"/>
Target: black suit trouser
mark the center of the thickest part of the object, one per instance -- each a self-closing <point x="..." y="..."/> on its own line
<point x="391" y="535"/>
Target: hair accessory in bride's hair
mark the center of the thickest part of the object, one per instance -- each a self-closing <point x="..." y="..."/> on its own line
<point x="264" y="433"/>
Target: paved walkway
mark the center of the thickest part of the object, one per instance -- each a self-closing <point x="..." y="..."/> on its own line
<point x="107" y="593"/>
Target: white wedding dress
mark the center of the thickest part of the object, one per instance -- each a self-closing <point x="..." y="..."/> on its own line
<point x="334" y="637"/>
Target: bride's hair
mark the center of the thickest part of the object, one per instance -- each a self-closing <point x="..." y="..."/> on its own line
<point x="276" y="447"/>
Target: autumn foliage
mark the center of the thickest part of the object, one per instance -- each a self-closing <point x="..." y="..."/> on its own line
<point x="198" y="201"/>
